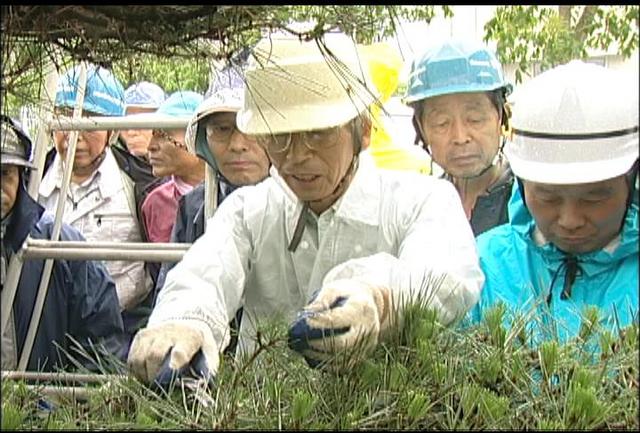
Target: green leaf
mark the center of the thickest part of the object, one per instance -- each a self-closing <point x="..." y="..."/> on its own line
<point x="12" y="417"/>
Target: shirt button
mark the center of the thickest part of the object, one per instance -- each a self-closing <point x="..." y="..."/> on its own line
<point x="358" y="248"/>
<point x="304" y="245"/>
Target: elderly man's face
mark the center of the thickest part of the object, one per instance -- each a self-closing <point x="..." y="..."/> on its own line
<point x="89" y="147"/>
<point x="239" y="157"/>
<point x="10" y="182"/>
<point x="578" y="218"/>
<point x="168" y="154"/>
<point x="314" y="163"/>
<point x="462" y="131"/>
<point x="137" y="140"/>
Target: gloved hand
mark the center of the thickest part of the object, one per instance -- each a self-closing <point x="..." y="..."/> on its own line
<point x="197" y="371"/>
<point x="346" y="314"/>
<point x="167" y="351"/>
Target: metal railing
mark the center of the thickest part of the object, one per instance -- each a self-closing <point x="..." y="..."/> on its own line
<point x="74" y="250"/>
<point x="56" y="385"/>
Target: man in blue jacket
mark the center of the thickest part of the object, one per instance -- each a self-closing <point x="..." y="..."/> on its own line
<point x="572" y="238"/>
<point x="81" y="302"/>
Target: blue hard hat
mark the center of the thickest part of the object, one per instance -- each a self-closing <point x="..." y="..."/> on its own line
<point x="144" y="95"/>
<point x="104" y="94"/>
<point x="180" y="103"/>
<point x="455" y="66"/>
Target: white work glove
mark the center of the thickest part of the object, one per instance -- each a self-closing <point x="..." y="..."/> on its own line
<point x="346" y="318"/>
<point x="166" y="350"/>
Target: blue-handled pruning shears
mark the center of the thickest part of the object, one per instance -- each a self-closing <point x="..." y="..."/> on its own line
<point x="195" y="376"/>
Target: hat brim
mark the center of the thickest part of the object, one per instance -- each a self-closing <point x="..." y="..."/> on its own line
<point x="15" y="160"/>
<point x="570" y="173"/>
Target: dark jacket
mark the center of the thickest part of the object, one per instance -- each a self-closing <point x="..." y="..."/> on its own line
<point x="490" y="209"/>
<point x="81" y="300"/>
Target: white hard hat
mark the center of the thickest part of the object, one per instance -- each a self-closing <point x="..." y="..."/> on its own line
<point x="295" y="85"/>
<point x="576" y="123"/>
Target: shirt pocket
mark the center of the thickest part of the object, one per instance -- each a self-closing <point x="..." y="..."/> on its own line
<point x="115" y="226"/>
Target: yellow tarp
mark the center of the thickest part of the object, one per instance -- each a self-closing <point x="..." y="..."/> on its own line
<point x="385" y="64"/>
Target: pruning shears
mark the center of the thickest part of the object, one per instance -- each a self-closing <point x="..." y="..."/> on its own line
<point x="195" y="377"/>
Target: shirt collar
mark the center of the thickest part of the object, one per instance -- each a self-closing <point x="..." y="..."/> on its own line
<point x="351" y="205"/>
<point x="108" y="181"/>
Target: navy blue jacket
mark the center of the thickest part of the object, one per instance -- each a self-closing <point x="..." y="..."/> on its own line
<point x="81" y="300"/>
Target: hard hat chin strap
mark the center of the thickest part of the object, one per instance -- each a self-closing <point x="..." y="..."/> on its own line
<point x="496" y="161"/>
<point x="631" y="177"/>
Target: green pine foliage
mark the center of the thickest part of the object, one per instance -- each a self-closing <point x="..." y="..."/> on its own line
<point x="425" y="376"/>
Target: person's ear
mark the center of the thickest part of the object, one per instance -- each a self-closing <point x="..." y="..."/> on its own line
<point x="420" y="135"/>
<point x="366" y="133"/>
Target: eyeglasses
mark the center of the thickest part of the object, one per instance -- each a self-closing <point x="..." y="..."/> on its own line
<point x="221" y="133"/>
<point x="279" y="144"/>
<point x="163" y="136"/>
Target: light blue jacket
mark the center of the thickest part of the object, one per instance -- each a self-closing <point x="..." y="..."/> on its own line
<point x="521" y="274"/>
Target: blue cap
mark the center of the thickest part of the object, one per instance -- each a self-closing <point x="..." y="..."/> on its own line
<point x="456" y="66"/>
<point x="180" y="104"/>
<point x="144" y="95"/>
<point x="104" y="94"/>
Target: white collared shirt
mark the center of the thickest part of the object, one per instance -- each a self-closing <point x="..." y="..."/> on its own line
<point x="391" y="219"/>
<point x="99" y="209"/>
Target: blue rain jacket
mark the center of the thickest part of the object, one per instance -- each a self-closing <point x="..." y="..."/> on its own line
<point x="521" y="274"/>
<point x="81" y="299"/>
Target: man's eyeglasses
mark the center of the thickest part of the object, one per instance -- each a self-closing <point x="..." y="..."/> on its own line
<point x="221" y="133"/>
<point x="279" y="144"/>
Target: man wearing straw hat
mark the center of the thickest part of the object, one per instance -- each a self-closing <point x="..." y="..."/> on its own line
<point x="327" y="235"/>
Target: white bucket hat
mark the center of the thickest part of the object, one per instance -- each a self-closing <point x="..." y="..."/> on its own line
<point x="295" y="85"/>
<point x="576" y="123"/>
